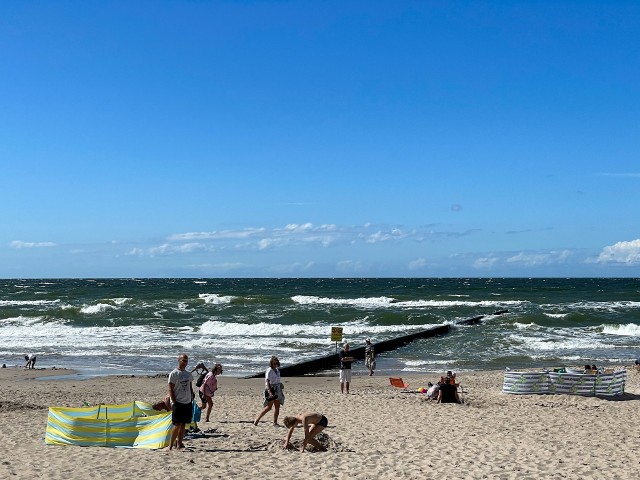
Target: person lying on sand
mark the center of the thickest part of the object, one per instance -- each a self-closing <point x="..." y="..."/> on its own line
<point x="312" y="423"/>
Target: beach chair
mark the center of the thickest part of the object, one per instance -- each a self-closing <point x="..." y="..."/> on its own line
<point x="398" y="383"/>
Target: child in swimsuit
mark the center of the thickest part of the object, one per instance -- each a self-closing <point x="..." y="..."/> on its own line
<point x="312" y="423"/>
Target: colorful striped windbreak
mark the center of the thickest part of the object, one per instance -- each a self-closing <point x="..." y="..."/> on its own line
<point x="134" y="425"/>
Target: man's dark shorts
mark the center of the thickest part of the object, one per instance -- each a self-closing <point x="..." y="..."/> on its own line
<point x="181" y="413"/>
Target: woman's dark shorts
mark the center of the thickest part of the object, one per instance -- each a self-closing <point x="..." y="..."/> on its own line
<point x="323" y="421"/>
<point x="181" y="413"/>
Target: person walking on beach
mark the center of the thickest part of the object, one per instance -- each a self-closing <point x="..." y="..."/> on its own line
<point x="345" y="368"/>
<point x="273" y="394"/>
<point x="181" y="394"/>
<point x="312" y="423"/>
<point x="369" y="356"/>
<point x="208" y="388"/>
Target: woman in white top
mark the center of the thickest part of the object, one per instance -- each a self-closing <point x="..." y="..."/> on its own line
<point x="273" y="395"/>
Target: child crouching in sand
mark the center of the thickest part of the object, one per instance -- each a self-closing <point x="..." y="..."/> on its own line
<point x="312" y="423"/>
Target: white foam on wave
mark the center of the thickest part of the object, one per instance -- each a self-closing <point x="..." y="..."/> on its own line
<point x="98" y="308"/>
<point x="526" y="326"/>
<point x="372" y="302"/>
<point x="20" y="320"/>
<point x="352" y="329"/>
<point x="630" y="330"/>
<point x="386" y="302"/>
<point x="24" y="303"/>
<point x="556" y="315"/>
<point x="121" y="301"/>
<point x="215" y="299"/>
<point x="558" y="343"/>
<point x="40" y="334"/>
<point x="604" y="306"/>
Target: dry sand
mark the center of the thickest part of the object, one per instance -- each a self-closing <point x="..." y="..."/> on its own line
<point x="377" y="432"/>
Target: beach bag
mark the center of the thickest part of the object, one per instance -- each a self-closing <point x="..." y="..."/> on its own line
<point x="197" y="413"/>
<point x="269" y="397"/>
<point x="201" y="379"/>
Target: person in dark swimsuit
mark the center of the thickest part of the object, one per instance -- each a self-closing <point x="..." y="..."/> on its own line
<point x="448" y="392"/>
<point x="312" y="423"/>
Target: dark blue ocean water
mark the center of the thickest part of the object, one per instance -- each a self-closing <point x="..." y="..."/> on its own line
<point x="108" y="326"/>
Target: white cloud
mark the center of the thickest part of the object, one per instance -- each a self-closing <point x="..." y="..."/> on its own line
<point x="485" y="262"/>
<point x="622" y="252"/>
<point x="21" y="244"/>
<point x="418" y="264"/>
<point x="169" y="249"/>
<point x="294" y="227"/>
<point x="382" y="236"/>
<point x="536" y="259"/>
<point x="224" y="234"/>
<point x="290" y="235"/>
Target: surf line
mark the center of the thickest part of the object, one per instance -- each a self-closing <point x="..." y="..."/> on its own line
<point x="329" y="362"/>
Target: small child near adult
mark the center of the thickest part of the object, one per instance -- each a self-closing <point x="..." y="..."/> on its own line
<point x="312" y="424"/>
<point x="208" y="388"/>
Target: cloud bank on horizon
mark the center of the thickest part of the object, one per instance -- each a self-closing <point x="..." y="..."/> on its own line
<point x="261" y="251"/>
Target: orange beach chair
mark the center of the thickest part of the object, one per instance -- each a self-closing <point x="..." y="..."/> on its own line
<point x="398" y="383"/>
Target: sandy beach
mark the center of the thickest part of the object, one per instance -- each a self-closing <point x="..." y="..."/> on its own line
<point x="375" y="432"/>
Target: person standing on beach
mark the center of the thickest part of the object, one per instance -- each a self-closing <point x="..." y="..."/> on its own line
<point x="345" y="368"/>
<point x="181" y="394"/>
<point x="273" y="394"/>
<point x="209" y="387"/>
<point x="369" y="356"/>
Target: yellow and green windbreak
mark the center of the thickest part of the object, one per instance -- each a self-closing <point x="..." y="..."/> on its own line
<point x="133" y="425"/>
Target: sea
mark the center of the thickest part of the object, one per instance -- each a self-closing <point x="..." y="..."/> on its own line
<point x="140" y="326"/>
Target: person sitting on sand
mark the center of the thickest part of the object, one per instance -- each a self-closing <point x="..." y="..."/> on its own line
<point x="164" y="404"/>
<point x="432" y="392"/>
<point x="312" y="424"/>
<point x="209" y="387"/>
<point x="448" y="392"/>
<point x="31" y="361"/>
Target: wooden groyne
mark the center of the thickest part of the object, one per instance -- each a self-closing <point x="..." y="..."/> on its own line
<point x="328" y="362"/>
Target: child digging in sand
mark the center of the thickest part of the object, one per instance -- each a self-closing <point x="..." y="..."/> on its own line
<point x="312" y="423"/>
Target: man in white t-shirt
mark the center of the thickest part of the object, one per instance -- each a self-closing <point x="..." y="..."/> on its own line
<point x="181" y="394"/>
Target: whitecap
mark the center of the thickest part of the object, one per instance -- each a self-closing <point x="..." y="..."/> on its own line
<point x="526" y="326"/>
<point x="215" y="299"/>
<point x="630" y="329"/>
<point x="98" y="308"/>
<point x="22" y="303"/>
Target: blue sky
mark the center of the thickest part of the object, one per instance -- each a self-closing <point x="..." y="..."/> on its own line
<point x="319" y="139"/>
